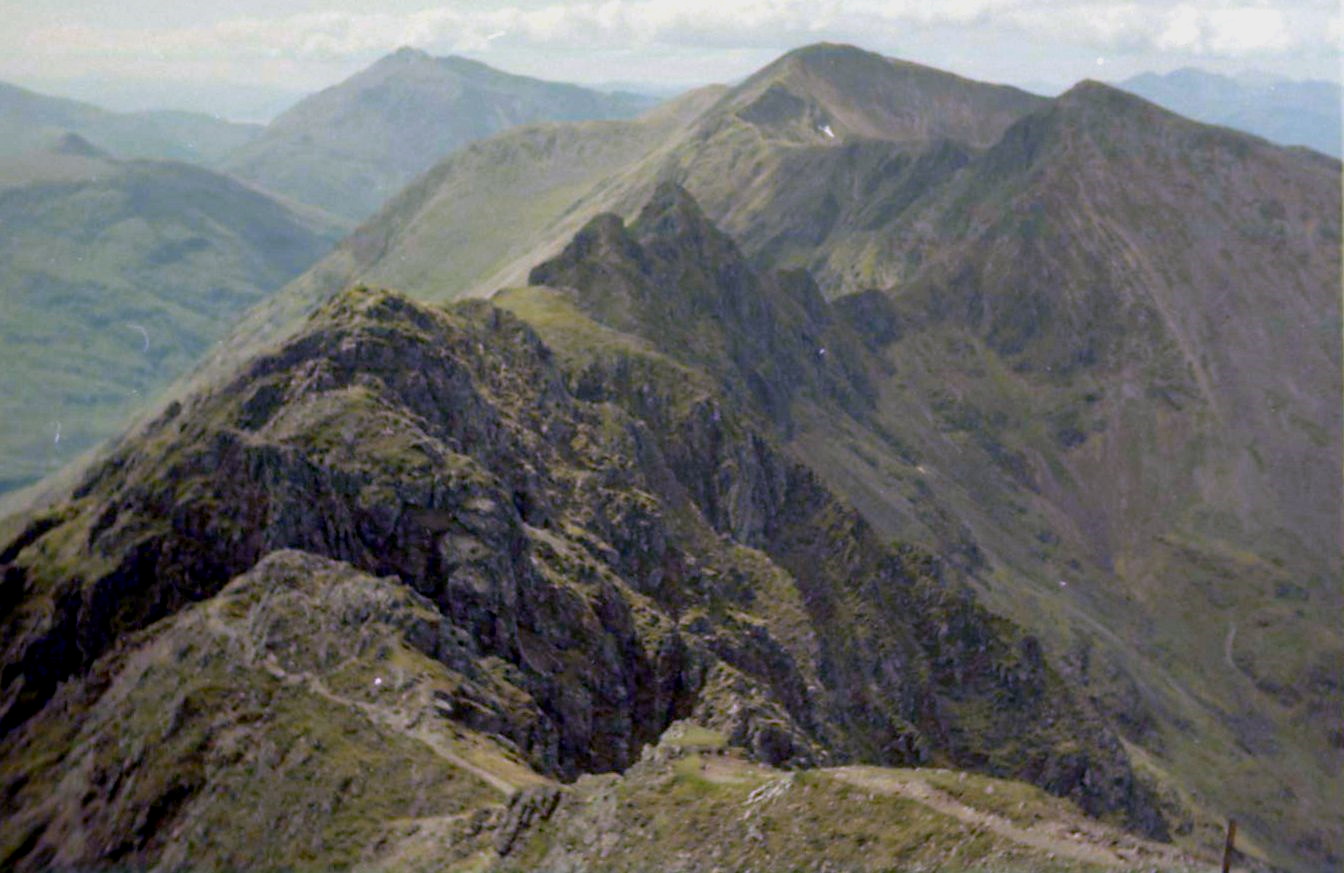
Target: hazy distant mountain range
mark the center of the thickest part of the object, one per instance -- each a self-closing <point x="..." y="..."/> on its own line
<point x="740" y="457"/>
<point x="30" y="121"/>
<point x="250" y="103"/>
<point x="1292" y="113"/>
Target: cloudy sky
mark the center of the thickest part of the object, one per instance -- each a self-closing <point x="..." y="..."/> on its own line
<point x="204" y="51"/>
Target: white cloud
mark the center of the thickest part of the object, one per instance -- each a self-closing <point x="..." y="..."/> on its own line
<point x="1231" y="31"/>
<point x="1212" y="28"/>
<point x="672" y="40"/>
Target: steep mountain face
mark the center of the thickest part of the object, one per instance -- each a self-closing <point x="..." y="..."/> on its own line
<point x="1084" y="252"/>
<point x="1102" y="369"/>
<point x="31" y="121"/>
<point x="245" y="732"/>
<point x="1292" y="113"/>
<point x="351" y="147"/>
<point x="682" y="284"/>
<point x="598" y="541"/>
<point x="117" y="275"/>
<point x="1116" y="355"/>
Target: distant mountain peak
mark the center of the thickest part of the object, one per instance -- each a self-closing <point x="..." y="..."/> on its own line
<point x="1108" y="103"/>
<point x="841" y="66"/>
<point x="831" y="92"/>
<point x="73" y="145"/>
<point x="1093" y="89"/>
<point x="351" y="147"/>
<point x="829" y="53"/>
<point x="409" y="53"/>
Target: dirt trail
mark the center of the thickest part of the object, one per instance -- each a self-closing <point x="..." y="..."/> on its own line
<point x="390" y="719"/>
<point x="1079" y="840"/>
<point x="380" y="715"/>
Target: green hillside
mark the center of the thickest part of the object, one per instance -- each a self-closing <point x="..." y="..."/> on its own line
<point x="576" y="548"/>
<point x="114" y="277"/>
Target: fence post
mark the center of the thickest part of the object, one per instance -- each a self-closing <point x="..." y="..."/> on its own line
<point x="1227" y="847"/>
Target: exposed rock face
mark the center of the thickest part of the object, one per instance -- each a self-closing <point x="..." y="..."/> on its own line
<point x="599" y="548"/>
<point x="675" y="279"/>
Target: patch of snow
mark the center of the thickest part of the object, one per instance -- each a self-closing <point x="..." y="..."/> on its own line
<point x="826" y="129"/>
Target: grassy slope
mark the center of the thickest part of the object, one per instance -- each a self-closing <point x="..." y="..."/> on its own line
<point x="491" y="206"/>
<point x="103" y="250"/>
<point x="697" y="808"/>
<point x="248" y="731"/>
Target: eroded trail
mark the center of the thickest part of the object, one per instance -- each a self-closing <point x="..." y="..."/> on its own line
<point x="399" y="722"/>
<point x="1079" y="840"/>
<point x="393" y="721"/>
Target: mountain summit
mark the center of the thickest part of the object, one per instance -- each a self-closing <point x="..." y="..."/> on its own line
<point x="845" y="92"/>
<point x="352" y="146"/>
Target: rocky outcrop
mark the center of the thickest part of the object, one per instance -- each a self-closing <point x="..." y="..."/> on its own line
<point x="675" y="279"/>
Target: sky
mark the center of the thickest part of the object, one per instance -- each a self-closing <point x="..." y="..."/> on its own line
<point x="251" y="57"/>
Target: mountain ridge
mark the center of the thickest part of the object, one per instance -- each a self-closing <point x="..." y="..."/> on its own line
<point x="523" y="493"/>
<point x="29" y="120"/>
<point x="1302" y="113"/>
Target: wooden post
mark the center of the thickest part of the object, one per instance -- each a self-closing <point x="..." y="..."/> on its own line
<point x="1227" y="847"/>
